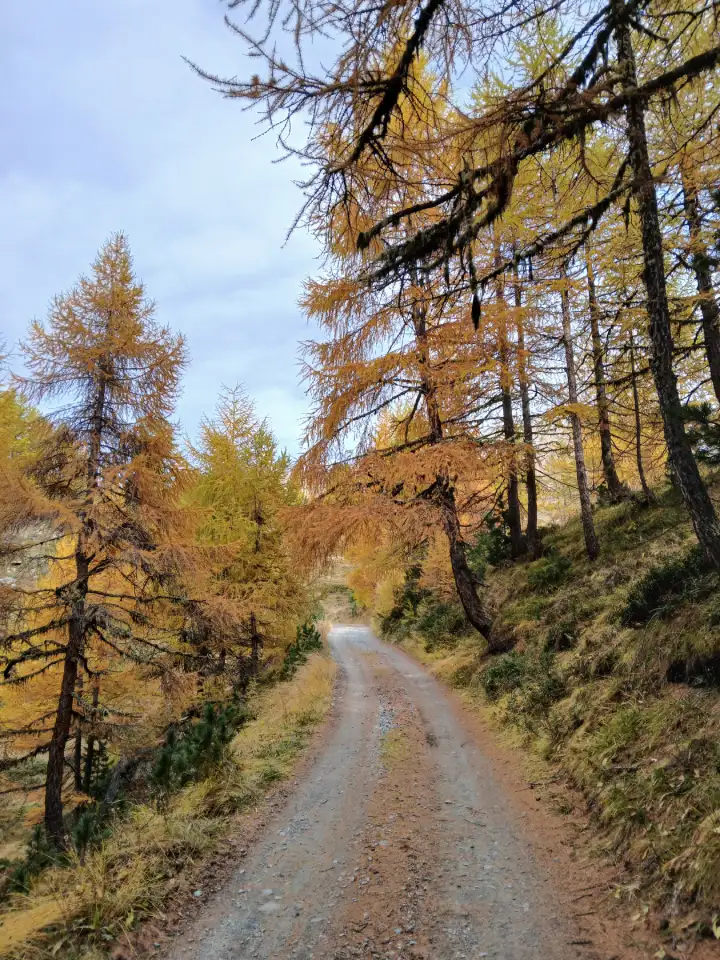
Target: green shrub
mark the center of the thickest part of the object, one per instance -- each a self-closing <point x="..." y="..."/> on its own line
<point x="547" y="574"/>
<point x="504" y="674"/>
<point x="532" y="681"/>
<point x="440" y="622"/>
<point x="666" y="587"/>
<point x="490" y="547"/>
<point x="40" y="853"/>
<point x="307" y="639"/>
<point x="399" y="621"/>
<point x="191" y="753"/>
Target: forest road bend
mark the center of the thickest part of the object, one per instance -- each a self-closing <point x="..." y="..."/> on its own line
<point x="399" y="843"/>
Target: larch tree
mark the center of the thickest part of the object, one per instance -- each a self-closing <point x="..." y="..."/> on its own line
<point x="241" y="489"/>
<point x="99" y="512"/>
<point x="617" y="63"/>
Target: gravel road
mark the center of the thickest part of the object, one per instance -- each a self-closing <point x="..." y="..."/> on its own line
<point x="398" y="843"/>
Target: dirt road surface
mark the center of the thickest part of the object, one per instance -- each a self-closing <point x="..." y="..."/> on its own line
<point x="399" y="842"/>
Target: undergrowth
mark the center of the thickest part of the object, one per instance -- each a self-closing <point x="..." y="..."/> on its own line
<point x="79" y="910"/>
<point x="614" y="678"/>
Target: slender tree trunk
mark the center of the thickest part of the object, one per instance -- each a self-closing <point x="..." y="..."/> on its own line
<point x="255" y="644"/>
<point x="77" y="762"/>
<point x="77" y="628"/>
<point x="615" y="488"/>
<point x="647" y="492"/>
<point x="591" y="542"/>
<point x="517" y="541"/>
<point x="709" y="307"/>
<point x="64" y="713"/>
<point x="462" y="574"/>
<point x="90" y="748"/>
<point x="531" y="529"/>
<point x="694" y="492"/>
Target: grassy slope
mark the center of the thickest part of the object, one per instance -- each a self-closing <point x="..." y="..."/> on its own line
<point x="80" y="910"/>
<point x="592" y="696"/>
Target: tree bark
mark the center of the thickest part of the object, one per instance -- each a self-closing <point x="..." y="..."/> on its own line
<point x="616" y="489"/>
<point x="517" y="541"/>
<point x="462" y="574"/>
<point x="90" y="748"/>
<point x="64" y="713"/>
<point x="77" y="762"/>
<point x="709" y="307"/>
<point x="647" y="492"/>
<point x="531" y="528"/>
<point x="591" y="542"/>
<point x="694" y="492"/>
<point x="255" y="644"/>
<point x="77" y="627"/>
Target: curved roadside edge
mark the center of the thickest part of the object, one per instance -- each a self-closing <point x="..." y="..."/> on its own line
<point x="555" y="820"/>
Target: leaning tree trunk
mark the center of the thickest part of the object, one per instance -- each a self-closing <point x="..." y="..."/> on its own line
<point x="517" y="541"/>
<point x="694" y="492"/>
<point x="531" y="530"/>
<point x="615" y="488"/>
<point x="647" y="492"/>
<point x="702" y="267"/>
<point x="445" y="496"/>
<point x="591" y="542"/>
<point x="463" y="576"/>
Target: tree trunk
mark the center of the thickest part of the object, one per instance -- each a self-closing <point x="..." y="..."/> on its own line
<point x="531" y="529"/>
<point x="694" y="492"/>
<point x="647" y="492"/>
<point x="709" y="308"/>
<point x="517" y="541"/>
<point x="64" y="713"/>
<point x="77" y="627"/>
<point x="90" y="749"/>
<point x="616" y="489"/>
<point x="591" y="542"/>
<point x="462" y="574"/>
<point x="255" y="644"/>
<point x="464" y="580"/>
<point x="77" y="762"/>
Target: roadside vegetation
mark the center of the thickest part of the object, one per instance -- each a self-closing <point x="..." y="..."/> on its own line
<point x="82" y="905"/>
<point x="614" y="678"/>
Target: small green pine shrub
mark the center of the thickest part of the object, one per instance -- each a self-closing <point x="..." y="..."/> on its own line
<point x="191" y="753"/>
<point x="666" y="587"/>
<point x="491" y="546"/>
<point x="440" y="623"/>
<point x="89" y="829"/>
<point x="504" y="674"/>
<point x="398" y="622"/>
<point x="548" y="573"/>
<point x="40" y="854"/>
<point x="531" y="680"/>
<point x="307" y="640"/>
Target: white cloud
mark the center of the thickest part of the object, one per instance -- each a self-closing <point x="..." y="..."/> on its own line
<point x="109" y="129"/>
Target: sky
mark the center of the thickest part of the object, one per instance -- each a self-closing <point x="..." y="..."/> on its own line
<point x="106" y="128"/>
